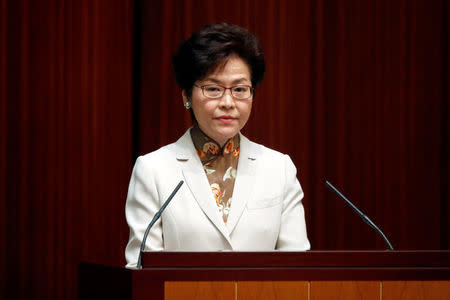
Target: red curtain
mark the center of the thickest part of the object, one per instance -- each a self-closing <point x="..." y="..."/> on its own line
<point x="356" y="92"/>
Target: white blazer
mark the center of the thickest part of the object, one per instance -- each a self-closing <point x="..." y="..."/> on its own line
<point x="266" y="212"/>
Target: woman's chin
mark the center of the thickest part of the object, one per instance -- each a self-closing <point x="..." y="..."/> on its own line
<point x="227" y="134"/>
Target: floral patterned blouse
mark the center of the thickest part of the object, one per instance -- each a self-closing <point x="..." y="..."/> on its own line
<point x="220" y="165"/>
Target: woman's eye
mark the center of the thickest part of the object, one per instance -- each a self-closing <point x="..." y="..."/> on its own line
<point x="212" y="89"/>
<point x="240" y="89"/>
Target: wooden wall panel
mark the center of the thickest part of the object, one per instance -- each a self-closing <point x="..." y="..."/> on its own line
<point x="314" y="290"/>
<point x="345" y="290"/>
<point x="272" y="290"/>
<point x="3" y="137"/>
<point x="445" y="150"/>
<point x="356" y="92"/>
<point x="416" y="290"/>
<point x="66" y="77"/>
<point x="199" y="290"/>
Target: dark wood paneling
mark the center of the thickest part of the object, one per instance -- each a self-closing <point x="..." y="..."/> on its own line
<point x="102" y="282"/>
<point x="423" y="259"/>
<point x="3" y="148"/>
<point x="66" y="75"/>
<point x="311" y="265"/>
<point x="306" y="273"/>
<point x="356" y="92"/>
<point x="259" y="282"/>
<point x="445" y="150"/>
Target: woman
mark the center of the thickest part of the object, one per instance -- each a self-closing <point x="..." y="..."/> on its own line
<point x="237" y="195"/>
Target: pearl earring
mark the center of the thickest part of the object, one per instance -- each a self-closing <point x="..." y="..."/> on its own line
<point x="187" y="104"/>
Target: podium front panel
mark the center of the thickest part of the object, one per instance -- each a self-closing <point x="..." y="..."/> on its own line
<point x="268" y="275"/>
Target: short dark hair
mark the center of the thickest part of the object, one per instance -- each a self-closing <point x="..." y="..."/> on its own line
<point x="211" y="46"/>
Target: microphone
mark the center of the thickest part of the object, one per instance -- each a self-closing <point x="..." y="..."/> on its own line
<point x="155" y="218"/>
<point x="363" y="216"/>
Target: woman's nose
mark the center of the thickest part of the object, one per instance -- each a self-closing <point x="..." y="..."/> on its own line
<point x="227" y="99"/>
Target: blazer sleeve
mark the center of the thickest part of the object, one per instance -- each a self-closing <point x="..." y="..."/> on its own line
<point x="292" y="234"/>
<point x="142" y="204"/>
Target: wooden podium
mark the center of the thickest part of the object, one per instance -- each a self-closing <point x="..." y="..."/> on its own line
<point x="274" y="275"/>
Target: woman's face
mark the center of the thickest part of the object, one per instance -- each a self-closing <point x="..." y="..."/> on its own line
<point x="222" y="118"/>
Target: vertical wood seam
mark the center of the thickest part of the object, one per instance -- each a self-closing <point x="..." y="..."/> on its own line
<point x="309" y="290"/>
<point x="381" y="290"/>
<point x="235" y="290"/>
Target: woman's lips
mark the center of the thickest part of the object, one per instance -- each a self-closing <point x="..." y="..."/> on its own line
<point x="226" y="119"/>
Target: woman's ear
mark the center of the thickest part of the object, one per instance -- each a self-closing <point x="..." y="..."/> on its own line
<point x="184" y="95"/>
<point x="186" y="101"/>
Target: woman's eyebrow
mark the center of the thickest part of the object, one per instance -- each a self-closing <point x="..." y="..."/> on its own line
<point x="212" y="79"/>
<point x="238" y="80"/>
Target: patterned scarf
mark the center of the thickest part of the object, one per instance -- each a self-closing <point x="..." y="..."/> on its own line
<point x="220" y="165"/>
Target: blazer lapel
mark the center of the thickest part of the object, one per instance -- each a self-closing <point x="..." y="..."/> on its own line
<point x="196" y="180"/>
<point x="244" y="184"/>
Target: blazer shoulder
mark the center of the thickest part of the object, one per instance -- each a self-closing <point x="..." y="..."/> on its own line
<point x="162" y="156"/>
<point x="267" y="158"/>
<point x="167" y="154"/>
<point x="261" y="151"/>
